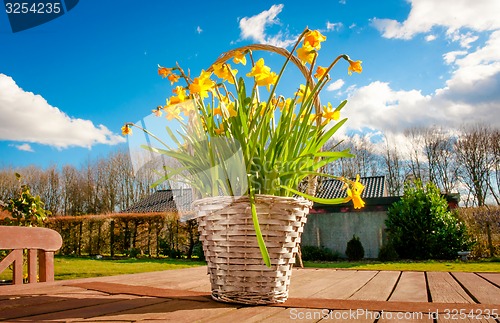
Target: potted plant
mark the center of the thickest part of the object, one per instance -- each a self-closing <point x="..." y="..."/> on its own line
<point x="252" y="157"/>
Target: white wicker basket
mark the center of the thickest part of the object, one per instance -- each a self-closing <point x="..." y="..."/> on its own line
<point x="237" y="271"/>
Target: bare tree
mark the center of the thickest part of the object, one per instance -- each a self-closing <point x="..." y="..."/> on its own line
<point x="476" y="160"/>
<point x="416" y="158"/>
<point x="393" y="169"/>
<point x="442" y="166"/>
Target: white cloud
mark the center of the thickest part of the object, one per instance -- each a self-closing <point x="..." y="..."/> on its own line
<point x="254" y="28"/>
<point x="481" y="15"/>
<point x="24" y="147"/>
<point x="335" y="85"/>
<point x="430" y="37"/>
<point x="470" y="95"/>
<point x="30" y="118"/>
<point x="451" y="57"/>
<point x="332" y="26"/>
<point x="199" y="30"/>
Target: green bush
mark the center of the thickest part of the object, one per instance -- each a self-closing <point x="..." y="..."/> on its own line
<point x="26" y="209"/>
<point x="387" y="252"/>
<point x="313" y="253"/>
<point x="354" y="250"/>
<point x="420" y="226"/>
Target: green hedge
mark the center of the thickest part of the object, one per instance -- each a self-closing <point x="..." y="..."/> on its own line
<point x="150" y="234"/>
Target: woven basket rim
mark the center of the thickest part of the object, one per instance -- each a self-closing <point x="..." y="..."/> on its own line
<point x="245" y="198"/>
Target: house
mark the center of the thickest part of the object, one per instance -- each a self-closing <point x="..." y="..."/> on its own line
<point x="169" y="200"/>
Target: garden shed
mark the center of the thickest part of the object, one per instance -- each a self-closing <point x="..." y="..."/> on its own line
<point x="330" y="226"/>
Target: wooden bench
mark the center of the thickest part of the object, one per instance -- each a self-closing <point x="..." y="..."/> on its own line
<point x="41" y="243"/>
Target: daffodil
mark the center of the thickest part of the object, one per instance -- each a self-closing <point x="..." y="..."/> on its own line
<point x="239" y="58"/>
<point x="262" y="74"/>
<point x="231" y="110"/>
<point x="330" y="114"/>
<point x="172" y="112"/>
<point x="354" y="190"/>
<point x="306" y="54"/>
<point x="126" y="130"/>
<point x="259" y="69"/>
<point x="354" y="66"/>
<point x="173" y="78"/>
<point x="320" y="71"/>
<point x="300" y="93"/>
<point x="314" y="38"/>
<point x="163" y="71"/>
<point x="157" y="112"/>
<point x="180" y="92"/>
<point x="226" y="111"/>
<point x="202" y="85"/>
<point x="225" y="72"/>
<point x="220" y="129"/>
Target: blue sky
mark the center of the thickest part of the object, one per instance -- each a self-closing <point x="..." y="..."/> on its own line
<point x="67" y="86"/>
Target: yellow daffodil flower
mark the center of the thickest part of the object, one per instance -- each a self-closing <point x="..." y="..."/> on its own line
<point x="354" y="191"/>
<point x="262" y="74"/>
<point x="126" y="130"/>
<point x="220" y="129"/>
<point x="173" y="78"/>
<point x="259" y="69"/>
<point x="157" y="112"/>
<point x="172" y="112"/>
<point x="225" y="72"/>
<point x="240" y="58"/>
<point x="354" y="66"/>
<point x="320" y="71"/>
<point x="306" y="54"/>
<point x="314" y="38"/>
<point x="231" y="110"/>
<point x="300" y="93"/>
<point x="163" y="71"/>
<point x="180" y="92"/>
<point x="202" y="85"/>
<point x="330" y="114"/>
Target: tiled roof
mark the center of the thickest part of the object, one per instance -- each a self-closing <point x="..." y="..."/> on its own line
<point x="163" y="201"/>
<point x="180" y="199"/>
<point x="332" y="188"/>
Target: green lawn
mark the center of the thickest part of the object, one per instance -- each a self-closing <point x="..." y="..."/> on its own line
<point x="70" y="267"/>
<point x="429" y="265"/>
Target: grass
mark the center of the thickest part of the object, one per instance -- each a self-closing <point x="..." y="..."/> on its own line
<point x="428" y="265"/>
<point x="72" y="267"/>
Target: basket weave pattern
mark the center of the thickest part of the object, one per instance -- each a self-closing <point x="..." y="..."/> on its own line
<point x="237" y="272"/>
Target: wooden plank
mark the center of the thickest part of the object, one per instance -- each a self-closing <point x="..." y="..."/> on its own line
<point x="411" y="287"/>
<point x="297" y="315"/>
<point x="405" y="317"/>
<point x="492" y="277"/>
<point x="54" y="306"/>
<point x="466" y="320"/>
<point x="445" y="289"/>
<point x="317" y="280"/>
<point x="98" y="309"/>
<point x="353" y="315"/>
<point x="170" y="310"/>
<point x="482" y="290"/>
<point x="246" y="314"/>
<point x="345" y="287"/>
<point x="379" y="288"/>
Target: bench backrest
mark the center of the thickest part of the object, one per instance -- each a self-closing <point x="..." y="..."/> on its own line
<point x="41" y="243"/>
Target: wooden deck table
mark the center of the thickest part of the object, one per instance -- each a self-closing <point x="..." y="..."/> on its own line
<point x="316" y="295"/>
